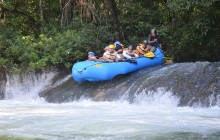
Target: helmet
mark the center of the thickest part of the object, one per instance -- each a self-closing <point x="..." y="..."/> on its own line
<point x="92" y="53"/>
<point x="144" y="42"/>
<point x="154" y="31"/>
<point x="117" y="43"/>
<point x="130" y="47"/>
<point x="111" y="46"/>
<point x="106" y="47"/>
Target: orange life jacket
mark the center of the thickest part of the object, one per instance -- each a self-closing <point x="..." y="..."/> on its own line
<point x="141" y="50"/>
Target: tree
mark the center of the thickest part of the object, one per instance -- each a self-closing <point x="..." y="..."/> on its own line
<point x="115" y="20"/>
<point x="67" y="8"/>
<point x="40" y="33"/>
<point x="42" y="20"/>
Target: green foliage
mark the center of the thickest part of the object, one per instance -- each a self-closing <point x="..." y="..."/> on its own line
<point x="190" y="30"/>
<point x="194" y="29"/>
<point x="27" y="53"/>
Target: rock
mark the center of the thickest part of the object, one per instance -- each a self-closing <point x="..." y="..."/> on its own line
<point x="3" y="80"/>
<point x="194" y="84"/>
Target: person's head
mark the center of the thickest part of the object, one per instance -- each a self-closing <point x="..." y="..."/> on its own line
<point x="154" y="32"/>
<point x="111" y="48"/>
<point x="117" y="43"/>
<point x="144" y="43"/>
<point x="91" y="54"/>
<point x="130" y="48"/>
<point x="106" y="48"/>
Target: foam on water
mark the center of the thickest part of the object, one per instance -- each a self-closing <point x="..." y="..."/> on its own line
<point x="151" y="116"/>
<point x="26" y="88"/>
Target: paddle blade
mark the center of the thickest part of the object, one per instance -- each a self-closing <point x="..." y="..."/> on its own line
<point x="149" y="55"/>
<point x="168" y="60"/>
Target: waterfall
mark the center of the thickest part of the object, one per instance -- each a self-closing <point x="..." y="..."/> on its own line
<point x="190" y="84"/>
<point x="26" y="87"/>
<point x="179" y="101"/>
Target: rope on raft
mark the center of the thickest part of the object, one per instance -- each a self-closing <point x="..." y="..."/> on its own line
<point x="80" y="71"/>
<point x="104" y="61"/>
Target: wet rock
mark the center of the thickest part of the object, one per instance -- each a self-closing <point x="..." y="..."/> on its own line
<point x="195" y="84"/>
<point x="2" y="83"/>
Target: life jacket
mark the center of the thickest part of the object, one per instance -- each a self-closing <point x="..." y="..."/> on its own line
<point x="111" y="56"/>
<point x="141" y="50"/>
<point x="129" y="53"/>
<point x="119" y="48"/>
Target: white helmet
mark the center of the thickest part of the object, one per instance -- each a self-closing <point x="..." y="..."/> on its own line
<point x="154" y="31"/>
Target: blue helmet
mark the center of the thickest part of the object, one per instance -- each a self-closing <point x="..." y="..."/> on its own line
<point x="117" y="43"/>
<point x="92" y="53"/>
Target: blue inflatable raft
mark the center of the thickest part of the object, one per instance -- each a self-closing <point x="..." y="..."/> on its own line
<point x="99" y="71"/>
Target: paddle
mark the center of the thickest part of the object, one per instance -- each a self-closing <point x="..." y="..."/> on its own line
<point x="168" y="60"/>
<point x="149" y="55"/>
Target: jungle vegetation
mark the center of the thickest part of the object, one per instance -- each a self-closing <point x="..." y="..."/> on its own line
<point x="37" y="34"/>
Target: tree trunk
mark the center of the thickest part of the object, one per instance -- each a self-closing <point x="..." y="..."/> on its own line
<point x="87" y="11"/>
<point x="2" y="15"/>
<point x="67" y="11"/>
<point x="115" y="19"/>
<point x="42" y="21"/>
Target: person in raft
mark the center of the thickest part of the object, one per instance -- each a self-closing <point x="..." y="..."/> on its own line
<point x="111" y="55"/>
<point x="129" y="52"/>
<point x="106" y="48"/>
<point x="105" y="51"/>
<point x="91" y="56"/>
<point x="142" y="49"/>
<point x="153" y="40"/>
<point x="119" y="48"/>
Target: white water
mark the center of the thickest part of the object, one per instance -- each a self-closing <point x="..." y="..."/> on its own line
<point x="150" y="117"/>
<point x="23" y="115"/>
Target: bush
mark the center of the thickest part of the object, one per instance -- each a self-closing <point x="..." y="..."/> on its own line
<point x="25" y="53"/>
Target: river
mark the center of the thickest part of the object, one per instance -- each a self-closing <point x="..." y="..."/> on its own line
<point x="157" y="115"/>
<point x="158" y="118"/>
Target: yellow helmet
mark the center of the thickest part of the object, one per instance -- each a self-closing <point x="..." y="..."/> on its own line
<point x="111" y="46"/>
